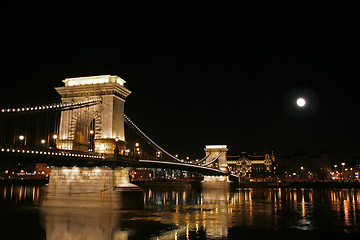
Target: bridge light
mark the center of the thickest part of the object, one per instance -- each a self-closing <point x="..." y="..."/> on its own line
<point x="21" y="137"/>
<point x="136" y="144"/>
<point x="92" y="132"/>
<point x="187" y="158"/>
<point x="42" y="141"/>
<point x="55" y="136"/>
<point x="176" y="155"/>
<point x="116" y="139"/>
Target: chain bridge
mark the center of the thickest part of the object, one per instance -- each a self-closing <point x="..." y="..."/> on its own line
<point x="89" y="129"/>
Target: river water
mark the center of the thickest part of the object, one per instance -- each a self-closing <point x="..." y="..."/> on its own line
<point x="251" y="213"/>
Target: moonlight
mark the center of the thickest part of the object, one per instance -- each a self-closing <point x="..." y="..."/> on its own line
<point x="301" y="102"/>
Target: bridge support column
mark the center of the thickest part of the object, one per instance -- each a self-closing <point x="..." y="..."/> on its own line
<point x="105" y="120"/>
<point x="97" y="187"/>
<point x="216" y="158"/>
<point x="216" y="152"/>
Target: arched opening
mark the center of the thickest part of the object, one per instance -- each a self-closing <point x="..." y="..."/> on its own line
<point x="80" y="136"/>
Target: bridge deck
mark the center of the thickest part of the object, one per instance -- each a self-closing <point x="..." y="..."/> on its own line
<point x="55" y="157"/>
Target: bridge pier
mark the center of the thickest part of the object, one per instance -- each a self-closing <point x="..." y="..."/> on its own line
<point x="96" y="187"/>
<point x="215" y="182"/>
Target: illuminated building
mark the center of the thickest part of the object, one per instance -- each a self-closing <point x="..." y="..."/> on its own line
<point x="251" y="165"/>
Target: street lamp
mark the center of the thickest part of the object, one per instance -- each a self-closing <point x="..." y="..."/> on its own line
<point x="137" y="149"/>
<point x="342" y="170"/>
<point x="22" y="140"/>
<point x="42" y="141"/>
<point x="301" y="172"/>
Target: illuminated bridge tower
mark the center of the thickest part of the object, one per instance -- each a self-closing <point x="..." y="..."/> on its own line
<point x="216" y="158"/>
<point x="101" y="125"/>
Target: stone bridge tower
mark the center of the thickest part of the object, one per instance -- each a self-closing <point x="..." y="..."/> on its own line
<point x="217" y="151"/>
<point x="102" y="123"/>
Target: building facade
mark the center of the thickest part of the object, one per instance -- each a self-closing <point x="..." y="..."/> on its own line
<point x="252" y="166"/>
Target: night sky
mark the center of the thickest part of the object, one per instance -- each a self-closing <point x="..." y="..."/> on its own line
<point x="201" y="73"/>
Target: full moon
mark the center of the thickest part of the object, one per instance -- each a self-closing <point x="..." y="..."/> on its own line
<point x="301" y="102"/>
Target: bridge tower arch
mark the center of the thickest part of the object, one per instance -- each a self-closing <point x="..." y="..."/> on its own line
<point x="108" y="116"/>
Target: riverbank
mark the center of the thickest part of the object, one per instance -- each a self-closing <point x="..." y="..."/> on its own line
<point x="174" y="184"/>
<point x="167" y="184"/>
<point x="329" y="184"/>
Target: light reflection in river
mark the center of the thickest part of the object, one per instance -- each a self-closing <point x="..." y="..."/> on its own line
<point x="20" y="195"/>
<point x="207" y="214"/>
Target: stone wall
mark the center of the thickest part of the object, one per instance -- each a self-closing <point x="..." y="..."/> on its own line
<point x="90" y="188"/>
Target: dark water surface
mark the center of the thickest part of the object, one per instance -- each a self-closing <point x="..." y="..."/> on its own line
<point x="190" y="214"/>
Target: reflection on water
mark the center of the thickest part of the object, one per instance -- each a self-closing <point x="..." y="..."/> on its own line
<point x="65" y="223"/>
<point x="20" y="195"/>
<point x="208" y="214"/>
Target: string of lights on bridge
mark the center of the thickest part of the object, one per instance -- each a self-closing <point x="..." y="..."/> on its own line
<point x="66" y="154"/>
<point x="148" y="138"/>
<point x="167" y="153"/>
<point x="79" y="104"/>
<point x="51" y="106"/>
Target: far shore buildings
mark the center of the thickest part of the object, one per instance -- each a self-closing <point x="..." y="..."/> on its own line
<point x="303" y="165"/>
<point x="252" y="166"/>
<point x="299" y="166"/>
